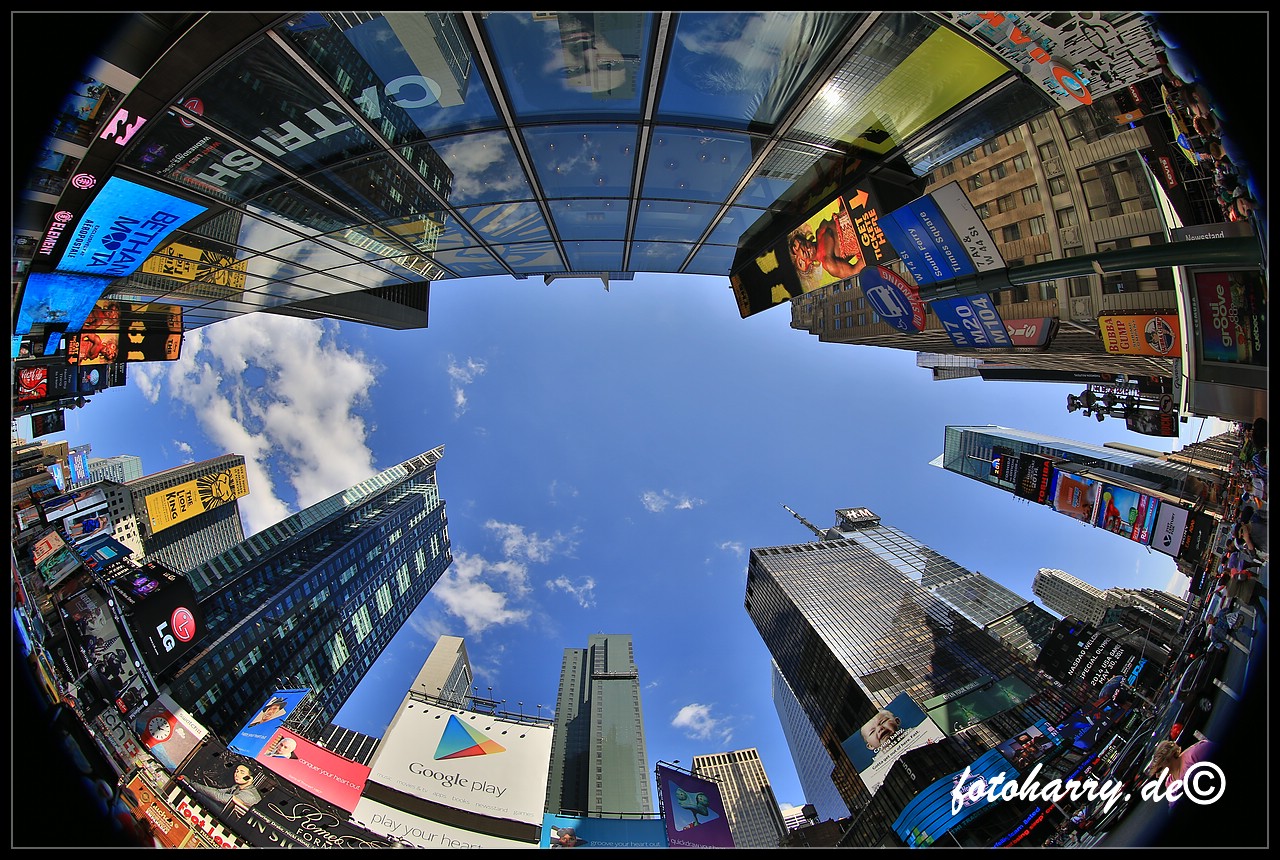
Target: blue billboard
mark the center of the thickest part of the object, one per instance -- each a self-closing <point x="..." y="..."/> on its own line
<point x="567" y="831"/>
<point x="252" y="739"/>
<point x="931" y="813"/>
<point x="58" y="298"/>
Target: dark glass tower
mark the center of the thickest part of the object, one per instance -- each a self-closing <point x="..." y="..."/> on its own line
<point x="851" y="624"/>
<point x="598" y="759"/>
<point x="313" y="600"/>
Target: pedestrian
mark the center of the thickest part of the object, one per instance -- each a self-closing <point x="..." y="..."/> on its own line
<point x="1174" y="762"/>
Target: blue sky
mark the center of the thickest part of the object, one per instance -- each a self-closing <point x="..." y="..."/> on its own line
<point x="610" y="459"/>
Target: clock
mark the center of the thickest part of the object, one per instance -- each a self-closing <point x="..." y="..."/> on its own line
<point x="159" y="728"/>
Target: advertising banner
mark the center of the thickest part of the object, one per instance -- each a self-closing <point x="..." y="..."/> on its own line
<point x="1004" y="464"/>
<point x="1232" y="317"/>
<point x="475" y="762"/>
<point x="178" y="504"/>
<point x="1074" y="496"/>
<point x="122" y="745"/>
<point x="1030" y="745"/>
<point x="692" y="811"/>
<point x="563" y="831"/>
<point x="165" y="824"/>
<point x="972" y="322"/>
<point x="882" y="740"/>
<point x="403" y="827"/>
<point x="78" y="463"/>
<point x="123" y="225"/>
<point x="82" y="525"/>
<point x="44" y="423"/>
<point x="1151" y="333"/>
<point x="1076" y="653"/>
<point x="122" y="332"/>
<point x="1126" y="512"/>
<point x="160" y="607"/>
<point x="101" y="551"/>
<point x="168" y="732"/>
<point x="1198" y="537"/>
<point x="113" y="668"/>
<point x="1035" y="478"/>
<point x="1153" y="422"/>
<point x="930" y="815"/>
<point x="322" y="773"/>
<point x="58" y="298"/>
<point x="49" y="543"/>
<point x="1033" y="331"/>
<point x="58" y="564"/>
<point x="251" y="739"/>
<point x="31" y="383"/>
<point x="897" y="302"/>
<point x="187" y="263"/>
<point x="980" y="704"/>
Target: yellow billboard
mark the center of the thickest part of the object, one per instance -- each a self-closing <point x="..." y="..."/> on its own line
<point x="174" y="505"/>
<point x="186" y="263"/>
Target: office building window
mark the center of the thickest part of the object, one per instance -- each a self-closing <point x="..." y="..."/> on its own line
<point x="991" y="147"/>
<point x="948" y="168"/>
<point x="999" y="171"/>
<point x="1031" y="194"/>
<point x="1048" y="150"/>
<point x="1011" y="233"/>
<point x="1011" y="137"/>
<point x="1058" y="185"/>
<point x="1066" y="217"/>
<point x="1005" y="203"/>
<point x="983" y="210"/>
<point x="1079" y="286"/>
<point x="975" y="182"/>
<point x="1037" y="225"/>
<point x="1039" y="123"/>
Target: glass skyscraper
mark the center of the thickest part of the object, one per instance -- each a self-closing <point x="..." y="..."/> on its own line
<point x="313" y="600"/>
<point x="813" y="764"/>
<point x="858" y="617"/>
<point x="598" y="761"/>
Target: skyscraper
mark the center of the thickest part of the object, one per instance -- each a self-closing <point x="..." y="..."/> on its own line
<point x="856" y="620"/>
<point x="121" y="468"/>
<point x="598" y="759"/>
<point x="446" y="675"/>
<point x="813" y="763"/>
<point x="313" y="600"/>
<point x="183" y="516"/>
<point x="749" y="802"/>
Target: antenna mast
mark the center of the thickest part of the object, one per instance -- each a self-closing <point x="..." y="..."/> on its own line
<point x="810" y="526"/>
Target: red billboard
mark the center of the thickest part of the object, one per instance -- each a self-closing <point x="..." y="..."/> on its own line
<point x="323" y="773"/>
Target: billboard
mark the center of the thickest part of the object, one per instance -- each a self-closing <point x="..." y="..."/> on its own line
<point x="165" y="823"/>
<point x="122" y="332"/>
<point x="898" y="728"/>
<point x="56" y="561"/>
<point x="981" y="704"/>
<point x="1004" y="464"/>
<point x="44" y="423"/>
<point x="78" y="462"/>
<point x="160" y="607"/>
<point x="1031" y="744"/>
<point x="1076" y="653"/>
<point x="930" y="814"/>
<point x="565" y="831"/>
<point x="187" y="263"/>
<point x="101" y="551"/>
<point x="31" y="382"/>
<point x="322" y="773"/>
<point x="1126" y="512"/>
<point x="123" y="225"/>
<point x="405" y="827"/>
<point x="113" y="669"/>
<point x="1149" y="333"/>
<point x="58" y="298"/>
<point x="1073" y="495"/>
<point x="1232" y="317"/>
<point x="692" y="811"/>
<point x="174" y="505"/>
<point x="1153" y="422"/>
<point x="251" y="739"/>
<point x="168" y="732"/>
<point x="469" y="761"/>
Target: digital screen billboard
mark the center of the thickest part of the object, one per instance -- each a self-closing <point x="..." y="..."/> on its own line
<point x="1030" y="745"/>
<point x="1035" y="478"/>
<point x="1126" y="512"/>
<point x="168" y="732"/>
<point x="930" y="815"/>
<point x="44" y="423"/>
<point x="123" y="225"/>
<point x="167" y="827"/>
<point x="1170" y="526"/>
<point x="122" y="332"/>
<point x="174" y="505"/>
<point x="251" y="739"/>
<point x="692" y="811"/>
<point x="314" y="768"/>
<point x="469" y="761"/>
<point x="58" y="298"/>
<point x="1153" y="422"/>
<point x="1231" y="311"/>
<point x="981" y="704"/>
<point x="1074" y="496"/>
<point x="896" y="729"/>
<point x="566" y="831"/>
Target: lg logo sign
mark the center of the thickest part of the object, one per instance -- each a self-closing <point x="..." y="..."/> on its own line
<point x="183" y="625"/>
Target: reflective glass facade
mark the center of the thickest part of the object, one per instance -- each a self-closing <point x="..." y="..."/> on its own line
<point x="598" y="759"/>
<point x="313" y="600"/>
<point x="813" y="765"/>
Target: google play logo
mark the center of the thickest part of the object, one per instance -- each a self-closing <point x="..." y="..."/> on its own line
<point x="460" y="741"/>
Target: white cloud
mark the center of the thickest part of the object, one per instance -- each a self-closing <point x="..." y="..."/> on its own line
<point x="557" y="489"/>
<point x="184" y="447"/>
<point x="529" y="547"/>
<point x="461" y="375"/>
<point x="469" y="589"/>
<point x="734" y="547"/>
<point x="697" y="722"/>
<point x="656" y="502"/>
<point x="283" y="394"/>
<point x="585" y="593"/>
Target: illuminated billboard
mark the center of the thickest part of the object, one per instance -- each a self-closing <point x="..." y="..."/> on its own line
<point x="251" y="739"/>
<point x="896" y="729"/>
<point x="187" y="263"/>
<point x="160" y="608"/>
<point x="124" y="225"/>
<point x="402" y="827"/>
<point x="1169" y="528"/>
<point x="1076" y="653"/>
<point x="174" y="505"/>
<point x="321" y="772"/>
<point x="1073" y="495"/>
<point x="1126" y="512"/>
<point x="122" y="332"/>
<point x="692" y="811"/>
<point x="1030" y="745"/>
<point x="1231" y="317"/>
<point x="468" y="761"/>
<point x="168" y="732"/>
<point x="167" y="827"/>
<point x="58" y="298"/>
<point x="931" y="815"/>
<point x="981" y="704"/>
<point x="567" y="831"/>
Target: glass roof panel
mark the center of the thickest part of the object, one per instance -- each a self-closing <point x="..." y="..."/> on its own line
<point x="743" y="68"/>
<point x="659" y="256"/>
<point x="508" y="222"/>
<point x="571" y="64"/>
<point x="712" y="260"/>
<point x="583" y="160"/>
<point x="411" y="73"/>
<point x="471" y="262"/>
<point x="695" y="164"/>
<point x="484" y="168"/>
<point x="734" y="223"/>
<point x="594" y="256"/>
<point x="672" y="220"/>
<point x="590" y="219"/>
<point x="371" y="275"/>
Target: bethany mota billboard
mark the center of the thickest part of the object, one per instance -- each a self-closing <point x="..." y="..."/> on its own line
<point x="474" y="762"/>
